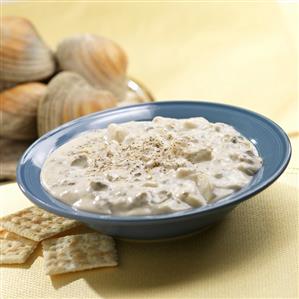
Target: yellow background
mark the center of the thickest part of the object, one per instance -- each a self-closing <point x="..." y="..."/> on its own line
<point x="241" y="52"/>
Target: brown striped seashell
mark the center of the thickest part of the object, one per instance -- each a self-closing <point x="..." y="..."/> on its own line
<point x="100" y="61"/>
<point x="70" y="96"/>
<point x="18" y="107"/>
<point x="11" y="151"/>
<point x="23" y="54"/>
<point x="6" y="85"/>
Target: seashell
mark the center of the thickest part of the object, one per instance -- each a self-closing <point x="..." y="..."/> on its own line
<point x="5" y="85"/>
<point x="11" y="151"/>
<point x="70" y="96"/>
<point x="100" y="61"/>
<point x="137" y="93"/>
<point x="23" y="55"/>
<point x="18" y="107"/>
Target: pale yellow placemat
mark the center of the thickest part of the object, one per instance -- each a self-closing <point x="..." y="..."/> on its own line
<point x="243" y="53"/>
<point x="252" y="253"/>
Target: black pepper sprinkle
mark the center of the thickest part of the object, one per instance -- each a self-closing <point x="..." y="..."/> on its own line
<point x="234" y="140"/>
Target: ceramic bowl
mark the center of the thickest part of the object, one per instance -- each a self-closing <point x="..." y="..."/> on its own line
<point x="270" y="140"/>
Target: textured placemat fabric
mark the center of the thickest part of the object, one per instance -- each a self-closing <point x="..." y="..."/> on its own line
<point x="252" y="253"/>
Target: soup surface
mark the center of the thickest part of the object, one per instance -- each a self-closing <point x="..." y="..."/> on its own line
<point x="153" y="167"/>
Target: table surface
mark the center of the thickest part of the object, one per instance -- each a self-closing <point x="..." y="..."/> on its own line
<point x="243" y="53"/>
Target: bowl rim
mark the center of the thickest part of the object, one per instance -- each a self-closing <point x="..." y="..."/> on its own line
<point x="234" y="198"/>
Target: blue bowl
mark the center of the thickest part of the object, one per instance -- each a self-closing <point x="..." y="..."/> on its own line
<point x="270" y="140"/>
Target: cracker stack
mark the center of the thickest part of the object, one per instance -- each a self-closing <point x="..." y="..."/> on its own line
<point x="21" y="232"/>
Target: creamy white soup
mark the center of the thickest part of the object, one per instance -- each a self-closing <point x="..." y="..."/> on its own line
<point x="152" y="167"/>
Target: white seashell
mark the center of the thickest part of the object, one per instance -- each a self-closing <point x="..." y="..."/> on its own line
<point x="100" y="61"/>
<point x="70" y="96"/>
